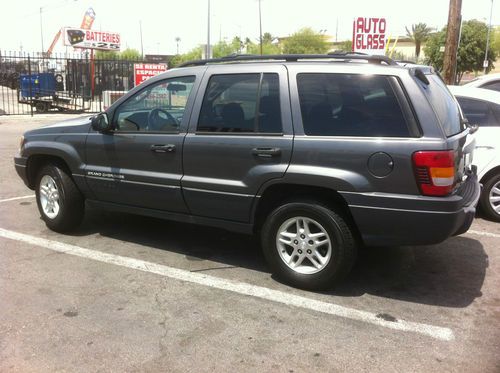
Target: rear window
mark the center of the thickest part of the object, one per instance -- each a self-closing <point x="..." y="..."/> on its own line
<point x="350" y="105"/>
<point x="444" y="106"/>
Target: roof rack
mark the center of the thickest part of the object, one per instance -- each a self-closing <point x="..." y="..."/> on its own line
<point x="348" y="56"/>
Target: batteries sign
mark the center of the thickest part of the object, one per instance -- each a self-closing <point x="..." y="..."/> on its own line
<point x="369" y="35"/>
<point x="89" y="39"/>
<point x="144" y="71"/>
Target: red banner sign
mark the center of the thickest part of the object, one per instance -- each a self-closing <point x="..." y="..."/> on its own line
<point x="144" y="71"/>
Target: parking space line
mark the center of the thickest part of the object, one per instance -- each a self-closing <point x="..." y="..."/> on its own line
<point x="486" y="234"/>
<point x="242" y="288"/>
<point x="16" y="198"/>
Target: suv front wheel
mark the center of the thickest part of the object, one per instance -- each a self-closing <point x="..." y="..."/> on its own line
<point x="308" y="245"/>
<point x="59" y="201"/>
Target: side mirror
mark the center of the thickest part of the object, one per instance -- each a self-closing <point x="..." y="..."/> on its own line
<point x="100" y="123"/>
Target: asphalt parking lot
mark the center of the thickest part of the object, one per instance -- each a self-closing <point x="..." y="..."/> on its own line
<point x="130" y="293"/>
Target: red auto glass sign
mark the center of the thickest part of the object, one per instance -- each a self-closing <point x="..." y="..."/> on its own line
<point x="144" y="71"/>
<point x="369" y="35"/>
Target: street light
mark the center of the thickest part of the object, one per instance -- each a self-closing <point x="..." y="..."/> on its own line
<point x="177" y="40"/>
<point x="41" y="28"/>
<point x="260" y="28"/>
<point x="485" y="63"/>
<point x="207" y="51"/>
<point x="41" y="21"/>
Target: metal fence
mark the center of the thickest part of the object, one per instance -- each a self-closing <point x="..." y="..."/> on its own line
<point x="34" y="83"/>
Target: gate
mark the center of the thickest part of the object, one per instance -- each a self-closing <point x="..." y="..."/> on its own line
<point x="33" y="83"/>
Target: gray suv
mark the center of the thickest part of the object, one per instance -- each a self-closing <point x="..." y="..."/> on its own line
<point x="318" y="154"/>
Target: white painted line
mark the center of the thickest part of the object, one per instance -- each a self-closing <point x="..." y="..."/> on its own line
<point x="16" y="198"/>
<point x="486" y="234"/>
<point x="437" y="332"/>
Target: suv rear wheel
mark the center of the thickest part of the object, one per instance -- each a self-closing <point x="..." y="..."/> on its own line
<point x="490" y="198"/>
<point x="59" y="201"/>
<point x="308" y="245"/>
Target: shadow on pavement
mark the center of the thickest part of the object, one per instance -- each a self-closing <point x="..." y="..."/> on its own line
<point x="450" y="274"/>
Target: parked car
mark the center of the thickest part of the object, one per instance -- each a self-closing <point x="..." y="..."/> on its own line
<point x="489" y="81"/>
<point x="482" y="107"/>
<point x="316" y="154"/>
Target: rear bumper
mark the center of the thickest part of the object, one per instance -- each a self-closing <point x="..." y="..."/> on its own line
<point x="21" y="169"/>
<point x="393" y="220"/>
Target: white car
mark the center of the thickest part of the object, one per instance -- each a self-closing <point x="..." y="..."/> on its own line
<point x="482" y="107"/>
<point x="489" y="81"/>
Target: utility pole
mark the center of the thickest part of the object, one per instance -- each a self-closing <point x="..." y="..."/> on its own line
<point x="208" y="33"/>
<point x="142" y="47"/>
<point x="41" y="29"/>
<point x="451" y="46"/>
<point x="485" y="63"/>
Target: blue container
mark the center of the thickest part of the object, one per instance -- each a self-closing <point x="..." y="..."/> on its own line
<point x="42" y="85"/>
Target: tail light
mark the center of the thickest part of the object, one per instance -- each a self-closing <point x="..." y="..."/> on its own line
<point x="435" y="171"/>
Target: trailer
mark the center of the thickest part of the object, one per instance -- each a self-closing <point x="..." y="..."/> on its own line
<point x="39" y="91"/>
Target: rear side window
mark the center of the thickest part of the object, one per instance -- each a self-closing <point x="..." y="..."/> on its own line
<point x="494" y="86"/>
<point x="241" y="103"/>
<point x="444" y="105"/>
<point x="480" y="112"/>
<point x="350" y="105"/>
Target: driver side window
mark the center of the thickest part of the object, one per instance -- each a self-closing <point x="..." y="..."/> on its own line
<point x="157" y="108"/>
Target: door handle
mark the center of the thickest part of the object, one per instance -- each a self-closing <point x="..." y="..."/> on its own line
<point x="164" y="148"/>
<point x="266" y="152"/>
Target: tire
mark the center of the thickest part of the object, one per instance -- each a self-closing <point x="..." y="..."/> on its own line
<point x="334" y="260"/>
<point x="64" y="195"/>
<point x="41" y="107"/>
<point x="490" y="198"/>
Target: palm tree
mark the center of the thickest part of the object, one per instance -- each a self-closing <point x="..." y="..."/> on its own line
<point x="419" y="34"/>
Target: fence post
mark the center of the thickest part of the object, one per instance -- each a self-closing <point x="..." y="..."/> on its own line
<point x="31" y="93"/>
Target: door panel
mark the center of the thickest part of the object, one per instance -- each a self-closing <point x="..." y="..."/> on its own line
<point x="487" y="147"/>
<point x="122" y="168"/>
<point x="235" y="142"/>
<point x="140" y="162"/>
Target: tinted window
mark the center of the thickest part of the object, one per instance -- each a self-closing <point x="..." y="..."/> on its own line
<point x="494" y="86"/>
<point x="444" y="105"/>
<point x="158" y="107"/>
<point x="350" y="105"/>
<point x="241" y="103"/>
<point x="479" y="112"/>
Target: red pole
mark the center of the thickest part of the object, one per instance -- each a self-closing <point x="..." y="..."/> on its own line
<point x="92" y="73"/>
<point x="353" y="34"/>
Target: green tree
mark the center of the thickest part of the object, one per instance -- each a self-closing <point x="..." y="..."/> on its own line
<point x="126" y="54"/>
<point x="305" y="41"/>
<point x="193" y="54"/>
<point x="495" y="40"/>
<point x="267" y="38"/>
<point x="106" y="55"/>
<point x="419" y="34"/>
<point x="224" y="48"/>
<point x="130" y="54"/>
<point x="470" y="54"/>
<point x="345" y="46"/>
